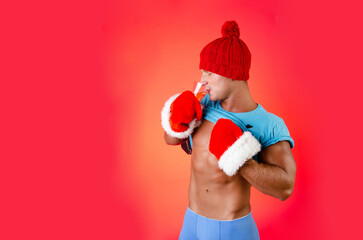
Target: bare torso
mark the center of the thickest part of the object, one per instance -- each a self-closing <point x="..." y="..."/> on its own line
<point x="212" y="193"/>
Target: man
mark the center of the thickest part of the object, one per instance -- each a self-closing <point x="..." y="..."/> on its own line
<point x="235" y="144"/>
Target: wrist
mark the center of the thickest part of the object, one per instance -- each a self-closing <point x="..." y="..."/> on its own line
<point x="248" y="167"/>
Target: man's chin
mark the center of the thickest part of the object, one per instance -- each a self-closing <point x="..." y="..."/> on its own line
<point x="212" y="98"/>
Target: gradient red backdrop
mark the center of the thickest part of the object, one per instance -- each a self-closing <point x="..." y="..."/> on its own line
<point x="83" y="84"/>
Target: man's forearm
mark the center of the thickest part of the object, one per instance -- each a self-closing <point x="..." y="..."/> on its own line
<point x="269" y="179"/>
<point x="173" y="140"/>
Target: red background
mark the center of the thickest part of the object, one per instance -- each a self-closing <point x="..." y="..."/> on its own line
<point x="83" y="84"/>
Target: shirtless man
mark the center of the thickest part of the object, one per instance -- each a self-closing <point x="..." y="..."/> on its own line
<point x="219" y="193"/>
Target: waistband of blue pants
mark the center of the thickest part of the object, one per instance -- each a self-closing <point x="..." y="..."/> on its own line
<point x="241" y="219"/>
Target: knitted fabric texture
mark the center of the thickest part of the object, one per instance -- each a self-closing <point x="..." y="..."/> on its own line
<point x="227" y="56"/>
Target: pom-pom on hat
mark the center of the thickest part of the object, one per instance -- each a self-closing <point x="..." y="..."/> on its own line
<point x="227" y="56"/>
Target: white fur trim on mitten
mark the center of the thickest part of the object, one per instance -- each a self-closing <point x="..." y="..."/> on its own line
<point x="236" y="155"/>
<point x="165" y="116"/>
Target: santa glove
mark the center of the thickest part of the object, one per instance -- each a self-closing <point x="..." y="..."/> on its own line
<point x="231" y="146"/>
<point x="181" y="114"/>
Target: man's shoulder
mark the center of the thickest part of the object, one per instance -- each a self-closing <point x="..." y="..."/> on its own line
<point x="274" y="130"/>
<point x="269" y="117"/>
<point x="274" y="118"/>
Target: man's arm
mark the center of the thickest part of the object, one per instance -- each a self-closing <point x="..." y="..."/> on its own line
<point x="173" y="140"/>
<point x="275" y="175"/>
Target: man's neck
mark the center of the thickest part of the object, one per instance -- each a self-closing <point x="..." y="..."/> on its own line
<point x="239" y="100"/>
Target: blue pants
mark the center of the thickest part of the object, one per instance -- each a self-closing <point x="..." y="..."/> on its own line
<point x="197" y="227"/>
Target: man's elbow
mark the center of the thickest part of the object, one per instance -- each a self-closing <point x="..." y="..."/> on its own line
<point x="285" y="194"/>
<point x="288" y="189"/>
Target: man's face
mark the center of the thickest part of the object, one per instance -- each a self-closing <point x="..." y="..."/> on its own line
<point x="217" y="86"/>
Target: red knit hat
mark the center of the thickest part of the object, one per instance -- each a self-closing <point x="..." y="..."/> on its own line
<point x="227" y="56"/>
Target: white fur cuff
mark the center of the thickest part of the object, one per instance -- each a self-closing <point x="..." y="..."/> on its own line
<point x="236" y="155"/>
<point x="165" y="116"/>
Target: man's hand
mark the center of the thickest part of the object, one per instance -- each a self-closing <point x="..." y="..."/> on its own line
<point x="181" y="114"/>
<point x="183" y="110"/>
<point x="231" y="146"/>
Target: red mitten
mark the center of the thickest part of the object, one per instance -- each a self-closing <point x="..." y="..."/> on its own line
<point x="181" y="114"/>
<point x="231" y="146"/>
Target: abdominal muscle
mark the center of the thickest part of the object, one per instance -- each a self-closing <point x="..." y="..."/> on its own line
<point x="212" y="193"/>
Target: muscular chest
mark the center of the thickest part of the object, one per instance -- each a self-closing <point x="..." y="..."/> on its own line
<point x="202" y="135"/>
<point x="204" y="163"/>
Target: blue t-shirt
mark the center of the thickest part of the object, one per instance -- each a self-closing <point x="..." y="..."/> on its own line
<point x="266" y="127"/>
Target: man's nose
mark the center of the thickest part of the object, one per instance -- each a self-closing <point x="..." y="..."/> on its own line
<point x="203" y="81"/>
